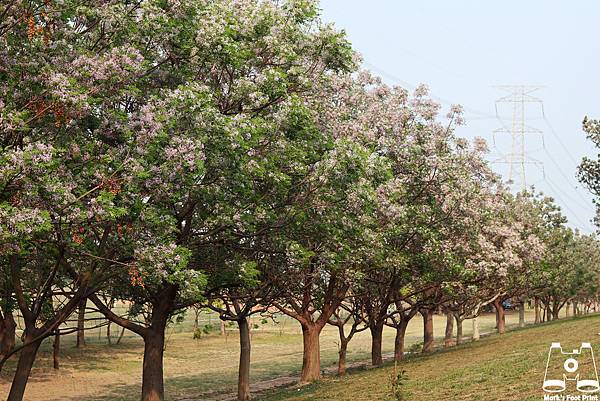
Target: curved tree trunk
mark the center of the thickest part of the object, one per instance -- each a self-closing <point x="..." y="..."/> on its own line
<point x="376" y="343"/>
<point x="427" y="330"/>
<point x="311" y="359"/>
<point x="244" y="367"/>
<point x="24" y="365"/>
<point x="34" y="336"/>
<point x="556" y="311"/>
<point x="449" y="333"/>
<point x="500" y="316"/>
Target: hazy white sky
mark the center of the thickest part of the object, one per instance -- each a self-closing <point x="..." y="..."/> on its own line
<point x="462" y="48"/>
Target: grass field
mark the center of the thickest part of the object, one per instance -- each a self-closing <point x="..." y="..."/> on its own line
<point x="204" y="368"/>
<point x="499" y="367"/>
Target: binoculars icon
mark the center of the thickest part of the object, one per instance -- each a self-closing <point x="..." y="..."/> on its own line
<point x="563" y="367"/>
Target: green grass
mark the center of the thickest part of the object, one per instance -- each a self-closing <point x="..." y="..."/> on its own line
<point x="195" y="369"/>
<point x="499" y="367"/>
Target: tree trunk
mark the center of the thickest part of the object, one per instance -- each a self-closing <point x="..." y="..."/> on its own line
<point x="399" y="340"/>
<point x="7" y="333"/>
<point x="342" y="357"/>
<point x="34" y="336"/>
<point x="497" y="318"/>
<point x="543" y="314"/>
<point x="108" y="335"/>
<point x="427" y="330"/>
<point x="448" y="340"/>
<point x="376" y="343"/>
<point x="311" y="358"/>
<point x="459" y="329"/>
<point x="153" y="388"/>
<point x="537" y="311"/>
<point x="567" y="310"/>
<point x="476" y="334"/>
<point x="223" y="330"/>
<point x="81" y="324"/>
<point x="244" y="368"/>
<point x="500" y="319"/>
<point x="522" y="314"/>
<point x="56" y="351"/>
<point x="152" y="371"/>
<point x="574" y="308"/>
<point x="196" y="322"/>
<point x="343" y="351"/>
<point x="121" y="335"/>
<point x="26" y="359"/>
<point x="555" y="312"/>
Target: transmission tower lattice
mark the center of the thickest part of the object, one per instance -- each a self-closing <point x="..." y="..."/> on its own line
<point x="518" y="96"/>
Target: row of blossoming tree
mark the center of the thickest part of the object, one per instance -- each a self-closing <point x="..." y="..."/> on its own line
<point x="231" y="153"/>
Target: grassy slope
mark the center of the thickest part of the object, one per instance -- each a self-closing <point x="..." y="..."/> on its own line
<point x="193" y="368"/>
<point x="499" y="367"/>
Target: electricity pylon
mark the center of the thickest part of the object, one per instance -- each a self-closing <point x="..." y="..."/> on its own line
<point x="519" y="96"/>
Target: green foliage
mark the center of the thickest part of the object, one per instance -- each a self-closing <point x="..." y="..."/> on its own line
<point x="415" y="348"/>
<point x="198" y="333"/>
<point x="397" y="382"/>
<point x="230" y="152"/>
<point x="205" y="330"/>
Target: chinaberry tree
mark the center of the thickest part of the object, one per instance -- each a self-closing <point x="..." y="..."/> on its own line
<point x="63" y="212"/>
<point x="152" y="120"/>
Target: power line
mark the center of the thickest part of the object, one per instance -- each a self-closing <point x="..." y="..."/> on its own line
<point x="521" y="161"/>
<point x="555" y="134"/>
<point x="569" y="155"/>
<point x="482" y="114"/>
<point x="566" y="205"/>
<point x="519" y="96"/>
<point x="585" y="203"/>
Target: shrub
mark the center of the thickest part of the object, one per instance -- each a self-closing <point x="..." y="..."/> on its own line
<point x="397" y="380"/>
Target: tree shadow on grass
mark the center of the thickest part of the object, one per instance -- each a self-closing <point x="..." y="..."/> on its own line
<point x="184" y="388"/>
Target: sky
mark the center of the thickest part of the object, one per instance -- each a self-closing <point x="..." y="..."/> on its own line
<point x="463" y="49"/>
